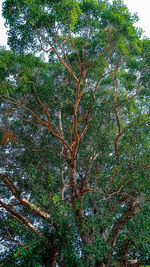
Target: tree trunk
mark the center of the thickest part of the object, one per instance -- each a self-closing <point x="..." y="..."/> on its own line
<point x="75" y="196"/>
<point x="51" y="261"/>
<point x="51" y="254"/>
<point x="99" y="264"/>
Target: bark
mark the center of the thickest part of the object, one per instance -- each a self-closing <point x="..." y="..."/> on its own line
<point x="99" y="264"/>
<point x="123" y="256"/>
<point x="21" y="218"/>
<point x="34" y="209"/>
<point x="78" y="213"/>
<point x="76" y="197"/>
<point x="72" y="182"/>
<point x="118" y="226"/>
<point x="51" y="254"/>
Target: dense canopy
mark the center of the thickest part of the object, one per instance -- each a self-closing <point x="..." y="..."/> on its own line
<point x="74" y="90"/>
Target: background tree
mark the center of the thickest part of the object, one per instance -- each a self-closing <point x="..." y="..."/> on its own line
<point x="74" y="135"/>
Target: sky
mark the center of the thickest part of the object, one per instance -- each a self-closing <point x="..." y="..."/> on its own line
<point x="141" y="7"/>
<point x="143" y="10"/>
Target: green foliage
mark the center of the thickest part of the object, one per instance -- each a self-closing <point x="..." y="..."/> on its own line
<point x="74" y="135"/>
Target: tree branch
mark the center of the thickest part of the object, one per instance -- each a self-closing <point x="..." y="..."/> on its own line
<point x="21" y="218"/>
<point x="34" y="209"/>
<point x="57" y="54"/>
<point x="43" y="122"/>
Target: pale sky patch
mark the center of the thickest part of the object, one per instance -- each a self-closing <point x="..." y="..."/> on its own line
<point x="143" y="10"/>
<point x="3" y="36"/>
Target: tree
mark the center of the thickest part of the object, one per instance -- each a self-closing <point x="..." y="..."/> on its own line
<point x="74" y="135"/>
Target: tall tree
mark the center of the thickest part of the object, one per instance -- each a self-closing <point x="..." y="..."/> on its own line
<point x="74" y="135"/>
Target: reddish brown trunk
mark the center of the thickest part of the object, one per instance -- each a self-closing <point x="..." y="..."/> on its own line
<point x="74" y="198"/>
